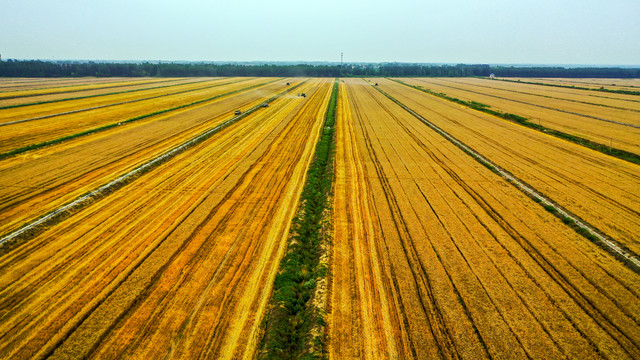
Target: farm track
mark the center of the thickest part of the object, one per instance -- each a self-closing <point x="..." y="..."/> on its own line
<point x="597" y="188"/>
<point x="186" y="269"/>
<point x="35" y="184"/>
<point x="436" y="257"/>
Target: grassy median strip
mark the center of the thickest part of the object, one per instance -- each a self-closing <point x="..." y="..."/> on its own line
<point x="109" y="126"/>
<point x="618" y="153"/>
<point x="293" y="316"/>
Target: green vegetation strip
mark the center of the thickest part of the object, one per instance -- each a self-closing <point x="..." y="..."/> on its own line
<point x="601" y="89"/>
<point x="618" y="153"/>
<point x="112" y="93"/>
<point x="583" y="228"/>
<point x="292" y="317"/>
<point x="106" y="127"/>
<point x="34" y="227"/>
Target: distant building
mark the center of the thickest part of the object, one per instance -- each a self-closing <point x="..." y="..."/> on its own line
<point x="492" y="76"/>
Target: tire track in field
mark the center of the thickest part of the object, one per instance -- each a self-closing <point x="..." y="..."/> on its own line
<point x="125" y="178"/>
<point x="356" y="327"/>
<point x="118" y="103"/>
<point x="454" y="244"/>
<point x="548" y="108"/>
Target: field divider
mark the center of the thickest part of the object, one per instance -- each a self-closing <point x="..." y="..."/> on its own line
<point x="294" y="323"/>
<point x="582" y="227"/>
<point x="32" y="228"/>
<point x="521" y="120"/>
<point x="119" y="123"/>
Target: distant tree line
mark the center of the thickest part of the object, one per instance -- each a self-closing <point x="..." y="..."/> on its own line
<point x="31" y="68"/>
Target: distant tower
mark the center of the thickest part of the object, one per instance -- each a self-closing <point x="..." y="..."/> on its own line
<point x="341" y="54"/>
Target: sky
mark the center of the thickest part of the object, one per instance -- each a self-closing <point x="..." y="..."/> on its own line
<point x="587" y="32"/>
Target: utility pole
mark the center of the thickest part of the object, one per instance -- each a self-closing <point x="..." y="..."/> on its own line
<point x="610" y="145"/>
<point x="341" y="56"/>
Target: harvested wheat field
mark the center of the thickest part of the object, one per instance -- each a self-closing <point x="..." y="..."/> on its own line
<point x="435" y="256"/>
<point x="607" y="84"/>
<point x="600" y="189"/>
<point x="609" y="119"/>
<point x="147" y="218"/>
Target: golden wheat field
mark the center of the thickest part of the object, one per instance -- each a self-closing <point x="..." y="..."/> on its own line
<point x="147" y="218"/>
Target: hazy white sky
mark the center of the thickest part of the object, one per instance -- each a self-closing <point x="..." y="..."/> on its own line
<point x="450" y="31"/>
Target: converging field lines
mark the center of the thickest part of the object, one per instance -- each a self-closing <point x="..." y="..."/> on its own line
<point x="284" y="217"/>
